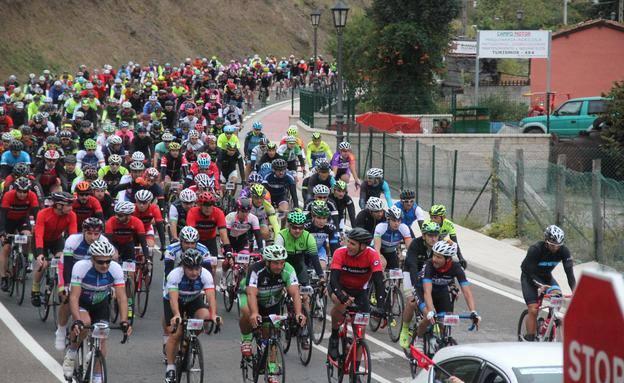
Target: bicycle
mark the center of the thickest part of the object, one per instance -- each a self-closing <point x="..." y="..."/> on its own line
<point x="143" y="279"/>
<point x="18" y="261"/>
<point x="85" y="366"/>
<point x="190" y="357"/>
<point x="268" y="359"/>
<point x="393" y="305"/>
<point x="292" y="329"/>
<point x="50" y="298"/>
<point x="354" y="355"/>
<point x="549" y="325"/>
<point x="228" y="202"/>
<point x="318" y="306"/>
<point x="234" y="275"/>
<point x="127" y="267"/>
<point x="263" y="95"/>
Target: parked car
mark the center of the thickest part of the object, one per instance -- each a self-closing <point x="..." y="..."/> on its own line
<point x="569" y="119"/>
<point x="503" y="362"/>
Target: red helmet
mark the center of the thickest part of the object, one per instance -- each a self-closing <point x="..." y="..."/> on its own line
<point x="190" y="111"/>
<point x="206" y="197"/>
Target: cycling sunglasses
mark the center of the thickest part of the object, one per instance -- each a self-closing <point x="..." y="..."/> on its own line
<point x="103" y="262"/>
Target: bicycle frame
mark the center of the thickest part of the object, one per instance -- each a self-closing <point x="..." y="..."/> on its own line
<point x="358" y="327"/>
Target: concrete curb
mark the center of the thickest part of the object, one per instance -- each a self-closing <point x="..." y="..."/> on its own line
<point x="494" y="275"/>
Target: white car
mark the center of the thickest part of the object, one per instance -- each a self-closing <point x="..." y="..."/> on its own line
<point x="505" y="362"/>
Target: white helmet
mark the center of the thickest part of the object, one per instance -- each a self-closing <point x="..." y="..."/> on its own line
<point x="394" y="212"/>
<point x="274" y="253"/>
<point x="126" y="104"/>
<point x="344" y="146"/>
<point x="189" y="234"/>
<point x="114" y="140"/>
<point x="374" y="204"/>
<point x="138" y="156"/>
<point x="320" y="190"/>
<point x="444" y="248"/>
<point x="144" y="196"/>
<point x="115" y="159"/>
<point x="553" y="234"/>
<point x="374" y="173"/>
<point x="101" y="249"/>
<point x="188" y="196"/>
<point x="124" y="207"/>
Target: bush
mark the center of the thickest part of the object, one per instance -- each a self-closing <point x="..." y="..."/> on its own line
<point x="504" y="110"/>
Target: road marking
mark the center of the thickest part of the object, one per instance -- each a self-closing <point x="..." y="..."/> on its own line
<point x="497" y="291"/>
<point x="404" y="380"/>
<point x="381" y="355"/>
<point x="31" y="344"/>
<point x="378" y="378"/>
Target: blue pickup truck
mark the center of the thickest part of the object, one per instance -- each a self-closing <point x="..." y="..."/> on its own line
<point x="569" y="119"/>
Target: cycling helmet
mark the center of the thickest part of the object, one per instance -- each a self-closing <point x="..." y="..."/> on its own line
<point x="219" y="120"/>
<point x="258" y="190"/>
<point x="167" y="137"/>
<point x="17" y="134"/>
<point x="279" y="164"/>
<point x="22" y="184"/>
<point x="257" y="125"/>
<point x="52" y="140"/>
<point x="114" y="140"/>
<point x="85" y="124"/>
<point x="360" y="235"/>
<point x="344" y="146"/>
<point x="274" y="253"/>
<point x="271" y="146"/>
<point x="201" y="180"/>
<point x="206" y="197"/>
<point x="188" y="196"/>
<point x="231" y="146"/>
<point x="38" y="118"/>
<point x="374" y="204"/>
<point x="320" y="190"/>
<point x="193" y="134"/>
<point x="151" y="173"/>
<point x="173" y="146"/>
<point x="437" y="210"/>
<point x="124" y="124"/>
<point x="203" y="160"/>
<point x="16" y="146"/>
<point x="340" y="185"/>
<point x="292" y="131"/>
<point x="211" y="138"/>
<point x="144" y="196"/>
<point x="90" y="173"/>
<point x="26" y="130"/>
<point x="316" y="136"/>
<point x="126" y="104"/>
<point x="254" y="178"/>
<point x="430" y="227"/>
<point x="101" y="249"/>
<point x="296" y="218"/>
<point x="263" y="141"/>
<point x="99" y="185"/>
<point x="51" y="155"/>
<point x="320" y="209"/>
<point x="90" y="144"/>
<point x="108" y="128"/>
<point x="266" y="168"/>
<point x="21" y="169"/>
<point x="92" y="223"/>
<point x="322" y="165"/>
<point x="444" y="248"/>
<point x="138" y="156"/>
<point x="65" y="134"/>
<point x="407" y="194"/>
<point x="124" y="207"/>
<point x="243" y="204"/>
<point x="115" y="159"/>
<point x="137" y="166"/>
<point x="554" y="235"/>
<point x="83" y="186"/>
<point x="189" y="234"/>
<point x="229" y="129"/>
<point x="62" y="198"/>
<point x="290" y="139"/>
<point x="7" y="137"/>
<point x="394" y="212"/>
<point x="374" y="173"/>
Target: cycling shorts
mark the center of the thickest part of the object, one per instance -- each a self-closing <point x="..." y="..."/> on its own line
<point x="362" y="300"/>
<point x="17" y="226"/>
<point x="392" y="260"/>
<point x="240" y="242"/>
<point x="442" y="300"/>
<point x="211" y="244"/>
<point x="529" y="290"/>
<point x="126" y="252"/>
<point x="99" y="312"/>
<point x="52" y="247"/>
<point x="187" y="309"/>
<point x="341" y="171"/>
<point x="264" y="311"/>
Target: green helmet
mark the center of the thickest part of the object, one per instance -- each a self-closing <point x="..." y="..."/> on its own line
<point x="438" y="210"/>
<point x="340" y="185"/>
<point x="430" y="227"/>
<point x="274" y="253"/>
<point x="316" y="136"/>
<point x="108" y="128"/>
<point x="90" y="144"/>
<point x="296" y="218"/>
<point x="320" y="209"/>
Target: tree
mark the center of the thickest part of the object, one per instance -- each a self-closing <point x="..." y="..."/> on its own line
<point x="613" y="131"/>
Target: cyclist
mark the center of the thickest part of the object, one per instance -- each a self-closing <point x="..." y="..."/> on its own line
<point x="149" y="213"/>
<point x="189" y="239"/>
<point x="18" y="205"/>
<point x="100" y="192"/>
<point x="76" y="249"/>
<point x="227" y="161"/>
<point x="171" y="164"/>
<point x="343" y="164"/>
<point x="113" y="172"/>
<point x="433" y="287"/>
<point x="418" y="252"/>
<point x="90" y="156"/>
<point x="269" y="156"/>
<point x="240" y="223"/>
<point x="321" y="193"/>
<point x="292" y="153"/>
<point x="318" y="149"/>
<point x="262" y="291"/>
<point x="50" y="225"/>
<point x="344" y="204"/>
<point x="227" y="136"/>
<point x="262" y="208"/>
<point x="114" y="146"/>
<point x="86" y="205"/>
<point x="124" y="231"/>
<point x="92" y="281"/>
<point x="374" y="186"/>
<point x="14" y="154"/>
<point x="178" y="211"/>
<point x="208" y="219"/>
<point x="252" y="140"/>
<point x="369" y="217"/>
<point x="388" y="237"/>
<point x="411" y="211"/>
<point x="187" y="290"/>
<point x="50" y="174"/>
<point x="162" y="148"/>
<point x="256" y="154"/>
<point x="542" y="257"/>
<point x="321" y="176"/>
<point x="205" y="165"/>
<point x="324" y="233"/>
<point x="353" y="267"/>
<point x="447" y="229"/>
<point x="281" y="184"/>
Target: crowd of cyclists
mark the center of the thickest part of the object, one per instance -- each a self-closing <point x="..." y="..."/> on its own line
<point x="102" y="166"/>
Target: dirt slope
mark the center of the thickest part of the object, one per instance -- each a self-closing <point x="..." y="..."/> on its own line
<point x="59" y="34"/>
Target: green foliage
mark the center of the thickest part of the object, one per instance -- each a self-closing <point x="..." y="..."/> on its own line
<point x="504" y="228"/>
<point x="504" y="110"/>
<point x="614" y="133"/>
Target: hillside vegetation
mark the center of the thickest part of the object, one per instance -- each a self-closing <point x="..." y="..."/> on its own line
<point x="59" y="34"/>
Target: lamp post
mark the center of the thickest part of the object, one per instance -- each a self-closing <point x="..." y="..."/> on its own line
<point x="519" y="17"/>
<point x="315" y="19"/>
<point x="340" y="12"/>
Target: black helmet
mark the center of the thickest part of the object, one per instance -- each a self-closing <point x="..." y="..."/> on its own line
<point x="53" y="140"/>
<point x="407" y="194"/>
<point x="360" y="235"/>
<point x="70" y="159"/>
<point x="16" y="146"/>
<point x="192" y="258"/>
<point x="322" y="165"/>
<point x="26" y="130"/>
<point x="92" y="223"/>
<point x="62" y="198"/>
<point x="21" y="169"/>
<point x="279" y="164"/>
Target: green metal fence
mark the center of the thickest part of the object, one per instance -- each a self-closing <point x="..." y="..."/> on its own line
<point x="318" y="108"/>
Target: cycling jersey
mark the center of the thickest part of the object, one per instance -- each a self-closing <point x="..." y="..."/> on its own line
<point x="223" y="140"/>
<point x="365" y="220"/>
<point x="416" y="213"/>
<point x="252" y="140"/>
<point x="266" y="215"/>
<point x="89" y="209"/>
<point x="326" y="235"/>
<point x="367" y="191"/>
<point x="173" y="256"/>
<point x="188" y="289"/>
<point x="314" y="180"/>
<point x="206" y="225"/>
<point x="93" y="159"/>
<point x="236" y="227"/>
<point x="314" y="152"/>
<point x="18" y="209"/>
<point x="49" y="226"/>
<point x="270" y="286"/>
<point x="76" y="249"/>
<point x="256" y="154"/>
<point x="417" y="254"/>
<point x="177" y="213"/>
<point x="9" y="160"/>
<point x="355" y="272"/>
<point x="540" y="262"/>
<point x="212" y="172"/>
<point x="301" y="251"/>
<point x="443" y="277"/>
<point x="340" y="162"/>
<point x="391" y="239"/>
<point x="227" y="163"/>
<point x="292" y="156"/>
<point x="95" y="286"/>
<point x="112" y="179"/>
<point x="171" y="166"/>
<point x="278" y="186"/>
<point x="344" y="206"/>
<point x="121" y="233"/>
<point x="448" y="229"/>
<point x="152" y="213"/>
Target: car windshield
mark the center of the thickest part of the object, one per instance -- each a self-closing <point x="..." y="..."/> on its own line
<point x="541" y="374"/>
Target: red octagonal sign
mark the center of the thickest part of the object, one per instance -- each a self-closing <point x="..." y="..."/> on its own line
<point x="594" y="330"/>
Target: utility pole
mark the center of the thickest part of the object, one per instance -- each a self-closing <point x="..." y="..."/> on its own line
<point x="464" y="17"/>
<point x="565" y="12"/>
<point x="621" y="11"/>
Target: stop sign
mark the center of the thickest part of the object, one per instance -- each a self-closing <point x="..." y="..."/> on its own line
<point x="593" y="335"/>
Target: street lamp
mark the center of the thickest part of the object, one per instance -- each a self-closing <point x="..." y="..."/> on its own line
<point x="340" y="12"/>
<point x="315" y="19"/>
<point x="519" y="17"/>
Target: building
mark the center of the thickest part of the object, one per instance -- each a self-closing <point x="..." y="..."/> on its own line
<point x="586" y="59"/>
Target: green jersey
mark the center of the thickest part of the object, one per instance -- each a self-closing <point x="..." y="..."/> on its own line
<point x="270" y="286"/>
<point x="297" y="248"/>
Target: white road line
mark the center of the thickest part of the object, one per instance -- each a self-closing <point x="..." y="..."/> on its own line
<point x="31" y="344"/>
<point x="497" y="291"/>
<point x="373" y="375"/>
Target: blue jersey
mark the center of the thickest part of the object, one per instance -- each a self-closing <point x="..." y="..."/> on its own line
<point x="188" y="289"/>
<point x="390" y="239"/>
<point x="416" y="213"/>
<point x="278" y="186"/>
<point x="76" y="246"/>
<point x="173" y="254"/>
<point x="8" y="158"/>
<point x="96" y="286"/>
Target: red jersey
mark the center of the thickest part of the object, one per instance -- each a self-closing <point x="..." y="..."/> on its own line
<point x="355" y="272"/>
<point x="151" y="214"/>
<point x="206" y="225"/>
<point x="213" y="172"/>
<point x="50" y="226"/>
<point x="123" y="233"/>
<point x="89" y="209"/>
<point x="19" y="209"/>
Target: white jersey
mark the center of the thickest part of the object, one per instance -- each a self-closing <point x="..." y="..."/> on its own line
<point x="236" y="227"/>
<point x="187" y="289"/>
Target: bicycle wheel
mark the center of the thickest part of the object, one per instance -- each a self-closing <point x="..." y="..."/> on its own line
<point x="287" y="329"/>
<point x="11" y="267"/>
<point x="55" y="301"/>
<point x="373" y="322"/>
<point x="362" y="366"/>
<point x="20" y="277"/>
<point x="304" y="338"/>
<point x="431" y="344"/>
<point x="277" y="367"/>
<point x="195" y="363"/>
<point x="229" y="291"/>
<point x="131" y="304"/>
<point x="395" y="314"/>
<point x="97" y="360"/>
<point x="319" y="316"/>
<point x="44" y="307"/>
<point x="80" y="365"/>
<point x="522" y="325"/>
<point x="142" y="290"/>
